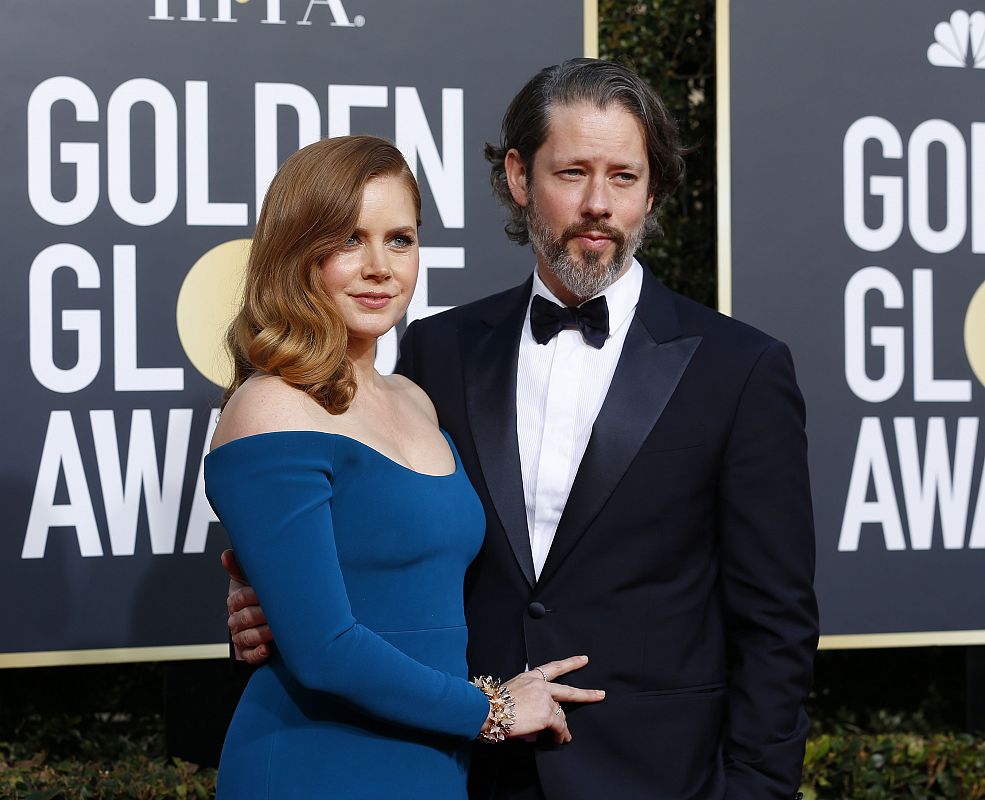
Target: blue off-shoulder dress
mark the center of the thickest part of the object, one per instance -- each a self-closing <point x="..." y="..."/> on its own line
<point x="359" y="564"/>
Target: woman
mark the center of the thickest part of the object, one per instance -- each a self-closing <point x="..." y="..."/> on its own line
<point x="349" y="509"/>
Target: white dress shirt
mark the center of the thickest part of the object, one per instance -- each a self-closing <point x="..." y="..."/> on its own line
<point x="560" y="389"/>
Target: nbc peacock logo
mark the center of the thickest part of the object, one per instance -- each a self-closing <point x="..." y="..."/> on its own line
<point x="959" y="41"/>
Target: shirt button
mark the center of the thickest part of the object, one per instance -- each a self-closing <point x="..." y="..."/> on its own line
<point x="536" y="610"/>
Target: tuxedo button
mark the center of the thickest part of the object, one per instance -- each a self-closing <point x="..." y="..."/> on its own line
<point x="536" y="610"/>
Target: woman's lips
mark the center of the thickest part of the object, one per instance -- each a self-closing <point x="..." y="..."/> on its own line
<point x="372" y="300"/>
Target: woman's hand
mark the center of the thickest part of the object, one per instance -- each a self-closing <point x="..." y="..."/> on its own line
<point x="537" y="699"/>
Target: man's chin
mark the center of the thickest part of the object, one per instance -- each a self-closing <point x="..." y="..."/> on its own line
<point x="592" y="263"/>
<point x="584" y="281"/>
<point x="591" y="257"/>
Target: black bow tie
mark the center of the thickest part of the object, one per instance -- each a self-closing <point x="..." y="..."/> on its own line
<point x="547" y="319"/>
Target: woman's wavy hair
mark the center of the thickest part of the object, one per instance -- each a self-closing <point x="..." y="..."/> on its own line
<point x="601" y="83"/>
<point x="287" y="325"/>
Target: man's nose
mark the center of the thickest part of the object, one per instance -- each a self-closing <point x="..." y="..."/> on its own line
<point x="597" y="201"/>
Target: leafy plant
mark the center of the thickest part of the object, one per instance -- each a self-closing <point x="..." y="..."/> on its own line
<point x="135" y="778"/>
<point x="885" y="766"/>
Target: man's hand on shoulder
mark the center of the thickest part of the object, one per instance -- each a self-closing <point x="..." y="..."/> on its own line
<point x="248" y="626"/>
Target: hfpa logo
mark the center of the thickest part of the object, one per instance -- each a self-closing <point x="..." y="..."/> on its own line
<point x="224" y="12"/>
<point x="959" y="42"/>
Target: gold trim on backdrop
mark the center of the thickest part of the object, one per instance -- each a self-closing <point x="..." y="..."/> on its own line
<point x="723" y="111"/>
<point x="916" y="639"/>
<point x="221" y="651"/>
<point x="118" y="655"/>
<point x="591" y="16"/>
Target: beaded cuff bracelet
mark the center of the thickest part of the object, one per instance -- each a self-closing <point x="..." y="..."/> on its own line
<point x="501" y="709"/>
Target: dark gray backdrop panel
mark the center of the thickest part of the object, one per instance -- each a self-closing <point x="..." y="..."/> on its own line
<point x="64" y="601"/>
<point x="801" y="74"/>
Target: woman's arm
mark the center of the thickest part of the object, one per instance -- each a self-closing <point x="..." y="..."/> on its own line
<point x="272" y="494"/>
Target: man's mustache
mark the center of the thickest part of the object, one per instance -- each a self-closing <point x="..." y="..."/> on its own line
<point x="599" y="226"/>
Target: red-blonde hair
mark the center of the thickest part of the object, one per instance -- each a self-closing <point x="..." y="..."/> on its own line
<point x="287" y="325"/>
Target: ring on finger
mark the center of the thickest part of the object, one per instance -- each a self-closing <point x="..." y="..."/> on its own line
<point x="542" y="673"/>
<point x="558" y="711"/>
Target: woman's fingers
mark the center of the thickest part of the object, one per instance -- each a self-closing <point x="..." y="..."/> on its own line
<point x="571" y="694"/>
<point x="538" y="699"/>
<point x="561" y="733"/>
<point x="562" y="692"/>
<point x="559" y="726"/>
<point x="553" y="669"/>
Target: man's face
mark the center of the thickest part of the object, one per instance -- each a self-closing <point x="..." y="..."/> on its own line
<point x="586" y="197"/>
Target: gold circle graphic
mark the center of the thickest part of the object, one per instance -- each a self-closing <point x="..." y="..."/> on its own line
<point x="208" y="299"/>
<point x="974" y="333"/>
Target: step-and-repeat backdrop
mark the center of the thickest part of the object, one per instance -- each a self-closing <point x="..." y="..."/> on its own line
<point x="137" y="139"/>
<point x="853" y="137"/>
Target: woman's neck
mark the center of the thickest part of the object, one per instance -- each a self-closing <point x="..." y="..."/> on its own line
<point x="362" y="355"/>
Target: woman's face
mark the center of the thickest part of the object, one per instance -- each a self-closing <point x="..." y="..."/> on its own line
<point x="371" y="278"/>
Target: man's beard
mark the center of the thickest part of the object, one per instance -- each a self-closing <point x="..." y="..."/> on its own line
<point x="590" y="275"/>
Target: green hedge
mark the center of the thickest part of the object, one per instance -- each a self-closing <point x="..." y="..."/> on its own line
<point x="111" y="754"/>
<point x="844" y="765"/>
<point x="133" y="778"/>
<point x="874" y="767"/>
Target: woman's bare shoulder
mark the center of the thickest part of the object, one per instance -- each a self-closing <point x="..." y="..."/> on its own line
<point x="414" y="394"/>
<point x="266" y="404"/>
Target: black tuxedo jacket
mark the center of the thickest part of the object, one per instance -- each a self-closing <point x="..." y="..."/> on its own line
<point x="682" y="564"/>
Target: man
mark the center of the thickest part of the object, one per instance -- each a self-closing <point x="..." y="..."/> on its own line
<point x="642" y="463"/>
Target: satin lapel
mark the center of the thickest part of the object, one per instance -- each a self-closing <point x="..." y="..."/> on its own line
<point x="653" y="359"/>
<point x="490" y="397"/>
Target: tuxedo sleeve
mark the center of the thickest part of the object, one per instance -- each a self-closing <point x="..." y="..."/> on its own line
<point x="767" y="562"/>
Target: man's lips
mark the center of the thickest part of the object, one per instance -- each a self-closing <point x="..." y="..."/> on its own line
<point x="372" y="299"/>
<point x="593" y="241"/>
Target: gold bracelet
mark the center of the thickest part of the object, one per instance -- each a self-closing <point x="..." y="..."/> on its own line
<point x="501" y="708"/>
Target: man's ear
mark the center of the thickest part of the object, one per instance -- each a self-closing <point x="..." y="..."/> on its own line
<point x="649" y="203"/>
<point x="516" y="177"/>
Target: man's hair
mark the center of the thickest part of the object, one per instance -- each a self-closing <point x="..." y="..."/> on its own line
<point x="287" y="324"/>
<point x="603" y="84"/>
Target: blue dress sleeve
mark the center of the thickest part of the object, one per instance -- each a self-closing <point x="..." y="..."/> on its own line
<point x="272" y="493"/>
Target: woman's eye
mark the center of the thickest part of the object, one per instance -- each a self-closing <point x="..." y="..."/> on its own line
<point x="403" y="241"/>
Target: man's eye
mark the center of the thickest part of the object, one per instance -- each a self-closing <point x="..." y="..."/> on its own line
<point x="626" y="177"/>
